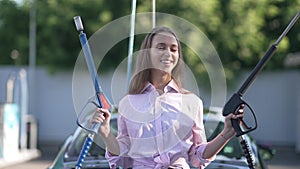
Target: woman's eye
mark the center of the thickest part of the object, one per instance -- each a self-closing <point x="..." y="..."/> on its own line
<point x="160" y="47"/>
<point x="174" y="50"/>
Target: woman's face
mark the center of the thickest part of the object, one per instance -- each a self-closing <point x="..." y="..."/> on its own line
<point x="164" y="52"/>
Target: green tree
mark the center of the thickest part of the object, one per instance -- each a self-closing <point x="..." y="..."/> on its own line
<point x="58" y="46"/>
<point x="13" y="33"/>
<point x="241" y="31"/>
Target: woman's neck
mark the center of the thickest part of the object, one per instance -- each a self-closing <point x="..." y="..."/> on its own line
<point x="160" y="79"/>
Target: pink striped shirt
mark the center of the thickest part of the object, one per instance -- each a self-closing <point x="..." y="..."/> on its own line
<point x="158" y="131"/>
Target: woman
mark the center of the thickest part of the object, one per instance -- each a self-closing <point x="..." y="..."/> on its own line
<point x="160" y="124"/>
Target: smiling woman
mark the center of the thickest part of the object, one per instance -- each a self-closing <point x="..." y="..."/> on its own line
<point x="165" y="52"/>
<point x="160" y="123"/>
<point x="160" y="56"/>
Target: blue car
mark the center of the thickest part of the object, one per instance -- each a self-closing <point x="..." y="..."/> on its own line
<point x="230" y="157"/>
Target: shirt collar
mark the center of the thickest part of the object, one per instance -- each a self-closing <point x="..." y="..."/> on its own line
<point x="171" y="87"/>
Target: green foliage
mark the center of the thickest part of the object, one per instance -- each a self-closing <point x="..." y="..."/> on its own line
<point x="13" y="33"/>
<point x="241" y="31"/>
<point x="58" y="44"/>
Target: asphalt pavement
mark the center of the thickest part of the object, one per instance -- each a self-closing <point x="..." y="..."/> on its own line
<point x="285" y="158"/>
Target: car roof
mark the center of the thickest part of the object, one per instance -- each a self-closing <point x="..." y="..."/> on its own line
<point x="213" y="114"/>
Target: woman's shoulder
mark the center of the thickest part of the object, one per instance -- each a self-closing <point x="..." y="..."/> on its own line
<point x="132" y="100"/>
<point x="135" y="107"/>
<point x="188" y="93"/>
<point x="192" y="98"/>
<point x="124" y="100"/>
<point x="131" y="97"/>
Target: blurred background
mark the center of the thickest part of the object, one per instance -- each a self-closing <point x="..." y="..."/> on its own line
<point x="39" y="47"/>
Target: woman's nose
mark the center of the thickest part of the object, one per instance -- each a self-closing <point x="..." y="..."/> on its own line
<point x="167" y="52"/>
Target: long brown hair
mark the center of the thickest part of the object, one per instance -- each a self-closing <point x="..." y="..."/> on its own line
<point x="142" y="73"/>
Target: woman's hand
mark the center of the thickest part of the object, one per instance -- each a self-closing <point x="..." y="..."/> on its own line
<point x="228" y="131"/>
<point x="102" y="116"/>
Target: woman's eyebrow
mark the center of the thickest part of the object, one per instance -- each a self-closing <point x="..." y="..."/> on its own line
<point x="163" y="43"/>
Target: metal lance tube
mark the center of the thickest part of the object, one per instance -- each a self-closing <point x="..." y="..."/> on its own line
<point x="101" y="100"/>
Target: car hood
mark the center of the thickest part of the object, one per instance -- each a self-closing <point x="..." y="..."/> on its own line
<point x="228" y="163"/>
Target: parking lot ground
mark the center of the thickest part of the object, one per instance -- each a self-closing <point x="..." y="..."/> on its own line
<point x="48" y="153"/>
<point x="285" y="158"/>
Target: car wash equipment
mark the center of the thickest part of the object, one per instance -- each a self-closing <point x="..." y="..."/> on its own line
<point x="102" y="101"/>
<point x="236" y="101"/>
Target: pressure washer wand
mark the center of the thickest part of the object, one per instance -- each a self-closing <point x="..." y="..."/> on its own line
<point x="101" y="99"/>
<point x="234" y="103"/>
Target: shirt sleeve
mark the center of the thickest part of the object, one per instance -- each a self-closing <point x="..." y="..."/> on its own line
<point x="124" y="143"/>
<point x="199" y="141"/>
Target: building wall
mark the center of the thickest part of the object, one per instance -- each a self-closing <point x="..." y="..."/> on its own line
<point x="57" y="98"/>
<point x="275" y="98"/>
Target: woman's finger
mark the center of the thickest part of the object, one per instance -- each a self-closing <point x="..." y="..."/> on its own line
<point x="104" y="112"/>
<point x="236" y="116"/>
<point x="96" y="120"/>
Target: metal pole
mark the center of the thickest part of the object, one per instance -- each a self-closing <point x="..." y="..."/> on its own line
<point x="131" y="40"/>
<point x="153" y="14"/>
<point x="32" y="54"/>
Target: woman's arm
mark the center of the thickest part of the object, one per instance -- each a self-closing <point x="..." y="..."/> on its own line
<point x="116" y="147"/>
<point x="202" y="153"/>
<point x="216" y="145"/>
<point x="103" y="116"/>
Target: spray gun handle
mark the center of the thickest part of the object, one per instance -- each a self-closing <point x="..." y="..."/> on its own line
<point x="232" y="106"/>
